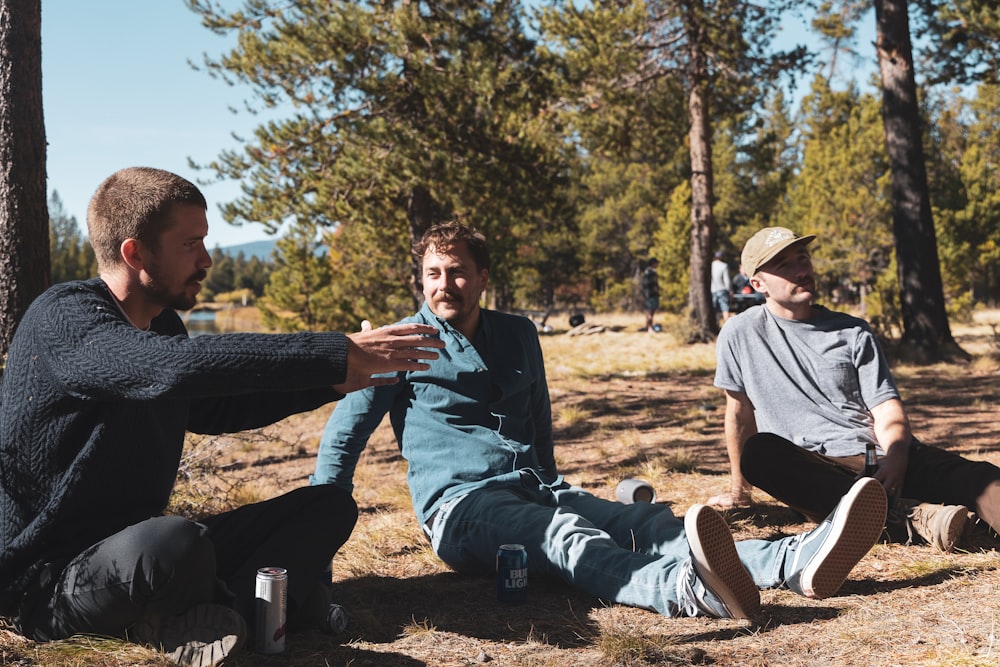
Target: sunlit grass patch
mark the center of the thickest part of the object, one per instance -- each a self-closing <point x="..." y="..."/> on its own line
<point x="419" y="628"/>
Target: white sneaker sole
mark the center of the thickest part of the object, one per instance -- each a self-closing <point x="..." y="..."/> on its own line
<point x="857" y="524"/>
<point x="714" y="555"/>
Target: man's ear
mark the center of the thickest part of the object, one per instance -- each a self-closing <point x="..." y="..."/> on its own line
<point x="484" y="275"/>
<point x="756" y="283"/>
<point x="131" y="251"/>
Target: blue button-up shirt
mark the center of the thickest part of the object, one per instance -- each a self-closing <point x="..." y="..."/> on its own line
<point x="477" y="417"/>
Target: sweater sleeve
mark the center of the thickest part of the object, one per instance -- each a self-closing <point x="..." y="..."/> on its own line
<point x="230" y="414"/>
<point x="95" y="353"/>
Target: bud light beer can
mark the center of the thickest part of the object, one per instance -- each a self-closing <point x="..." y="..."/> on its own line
<point x="272" y="598"/>
<point x="512" y="573"/>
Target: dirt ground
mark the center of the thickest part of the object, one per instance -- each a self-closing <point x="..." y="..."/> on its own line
<point x="902" y="605"/>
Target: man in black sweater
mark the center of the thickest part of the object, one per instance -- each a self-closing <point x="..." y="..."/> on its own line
<point x="100" y="385"/>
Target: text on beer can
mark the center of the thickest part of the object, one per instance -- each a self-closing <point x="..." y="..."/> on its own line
<point x="272" y="600"/>
<point x="512" y="573"/>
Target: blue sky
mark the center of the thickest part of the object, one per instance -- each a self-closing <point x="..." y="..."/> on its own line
<point x="118" y="91"/>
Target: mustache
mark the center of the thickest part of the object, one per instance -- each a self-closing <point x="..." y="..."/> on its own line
<point x="447" y="294"/>
<point x="198" y="276"/>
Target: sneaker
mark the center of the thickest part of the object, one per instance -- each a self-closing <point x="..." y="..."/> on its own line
<point x="818" y="562"/>
<point x="713" y="581"/>
<point x="941" y="526"/>
<point x="203" y="636"/>
<point x="319" y="612"/>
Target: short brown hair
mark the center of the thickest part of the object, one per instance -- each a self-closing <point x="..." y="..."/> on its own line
<point x="449" y="234"/>
<point x="135" y="203"/>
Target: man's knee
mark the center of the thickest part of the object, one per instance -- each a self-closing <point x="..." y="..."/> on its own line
<point x="173" y="551"/>
<point x="330" y="505"/>
<point x="163" y="564"/>
<point x="761" y="453"/>
<point x="171" y="541"/>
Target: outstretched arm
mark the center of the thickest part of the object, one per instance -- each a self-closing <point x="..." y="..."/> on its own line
<point x="740" y="424"/>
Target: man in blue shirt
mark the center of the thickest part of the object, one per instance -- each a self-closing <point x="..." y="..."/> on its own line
<point x="476" y="431"/>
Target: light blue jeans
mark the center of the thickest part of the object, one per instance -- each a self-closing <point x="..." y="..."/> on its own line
<point x="623" y="553"/>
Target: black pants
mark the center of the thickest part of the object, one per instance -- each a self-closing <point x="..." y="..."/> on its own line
<point x="813" y="483"/>
<point x="166" y="565"/>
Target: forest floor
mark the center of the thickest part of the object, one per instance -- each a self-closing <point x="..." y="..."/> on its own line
<point x="625" y="404"/>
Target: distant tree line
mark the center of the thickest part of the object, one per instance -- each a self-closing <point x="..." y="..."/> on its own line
<point x="235" y="277"/>
<point x="71" y="256"/>
<point x="584" y="138"/>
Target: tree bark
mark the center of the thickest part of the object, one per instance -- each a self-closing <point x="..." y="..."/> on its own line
<point x="703" y="230"/>
<point x="926" y="333"/>
<point x="24" y="229"/>
<point x="421" y="214"/>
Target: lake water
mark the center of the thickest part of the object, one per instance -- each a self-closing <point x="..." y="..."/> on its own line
<point x="200" y="322"/>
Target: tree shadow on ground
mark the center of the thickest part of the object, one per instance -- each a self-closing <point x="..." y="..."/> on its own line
<point x="381" y="609"/>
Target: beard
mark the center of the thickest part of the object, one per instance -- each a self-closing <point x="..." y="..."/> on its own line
<point x="163" y="295"/>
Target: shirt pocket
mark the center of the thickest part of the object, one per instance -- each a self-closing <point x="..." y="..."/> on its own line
<point x="838" y="382"/>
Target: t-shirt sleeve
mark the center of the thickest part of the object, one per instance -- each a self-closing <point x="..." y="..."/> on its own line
<point x="874" y="376"/>
<point x="727" y="370"/>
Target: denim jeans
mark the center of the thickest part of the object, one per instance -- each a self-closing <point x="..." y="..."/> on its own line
<point x="168" y="564"/>
<point x="623" y="553"/>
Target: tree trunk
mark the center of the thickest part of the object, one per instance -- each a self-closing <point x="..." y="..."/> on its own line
<point x="24" y="218"/>
<point x="926" y="334"/>
<point x="702" y="217"/>
<point x="421" y="214"/>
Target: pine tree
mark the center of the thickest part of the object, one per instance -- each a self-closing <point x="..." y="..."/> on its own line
<point x="297" y="297"/>
<point x="964" y="38"/>
<point x="969" y="224"/>
<point x="841" y="192"/>
<point x="716" y="53"/>
<point x="926" y="332"/>
<point x="404" y="114"/>
<point x="71" y="256"/>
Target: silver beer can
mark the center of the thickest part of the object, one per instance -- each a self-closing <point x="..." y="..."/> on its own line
<point x="272" y="600"/>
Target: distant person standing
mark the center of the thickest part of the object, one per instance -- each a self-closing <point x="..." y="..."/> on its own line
<point x="651" y="291"/>
<point x="720" y="286"/>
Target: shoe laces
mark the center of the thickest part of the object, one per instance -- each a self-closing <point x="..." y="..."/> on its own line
<point x="693" y="597"/>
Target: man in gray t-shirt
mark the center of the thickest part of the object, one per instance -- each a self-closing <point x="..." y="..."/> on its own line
<point x="807" y="389"/>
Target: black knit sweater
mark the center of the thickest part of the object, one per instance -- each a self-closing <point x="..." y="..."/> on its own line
<point x="93" y="413"/>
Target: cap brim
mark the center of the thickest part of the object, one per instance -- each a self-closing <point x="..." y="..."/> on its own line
<point x="779" y="248"/>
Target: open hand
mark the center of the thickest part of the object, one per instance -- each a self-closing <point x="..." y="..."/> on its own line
<point x="729" y="500"/>
<point x="390" y="349"/>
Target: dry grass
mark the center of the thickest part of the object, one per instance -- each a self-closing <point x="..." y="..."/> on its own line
<point x="625" y="404"/>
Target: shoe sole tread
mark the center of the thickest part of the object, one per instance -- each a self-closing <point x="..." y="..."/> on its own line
<point x="865" y="515"/>
<point x="718" y="563"/>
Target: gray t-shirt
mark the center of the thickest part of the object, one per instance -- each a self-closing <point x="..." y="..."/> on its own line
<point x="811" y="381"/>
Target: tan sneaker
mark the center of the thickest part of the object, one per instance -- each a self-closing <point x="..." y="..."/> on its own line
<point x="941" y="526"/>
<point x="203" y="636"/>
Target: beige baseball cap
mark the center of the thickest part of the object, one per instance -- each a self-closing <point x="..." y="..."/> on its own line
<point x="766" y="244"/>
